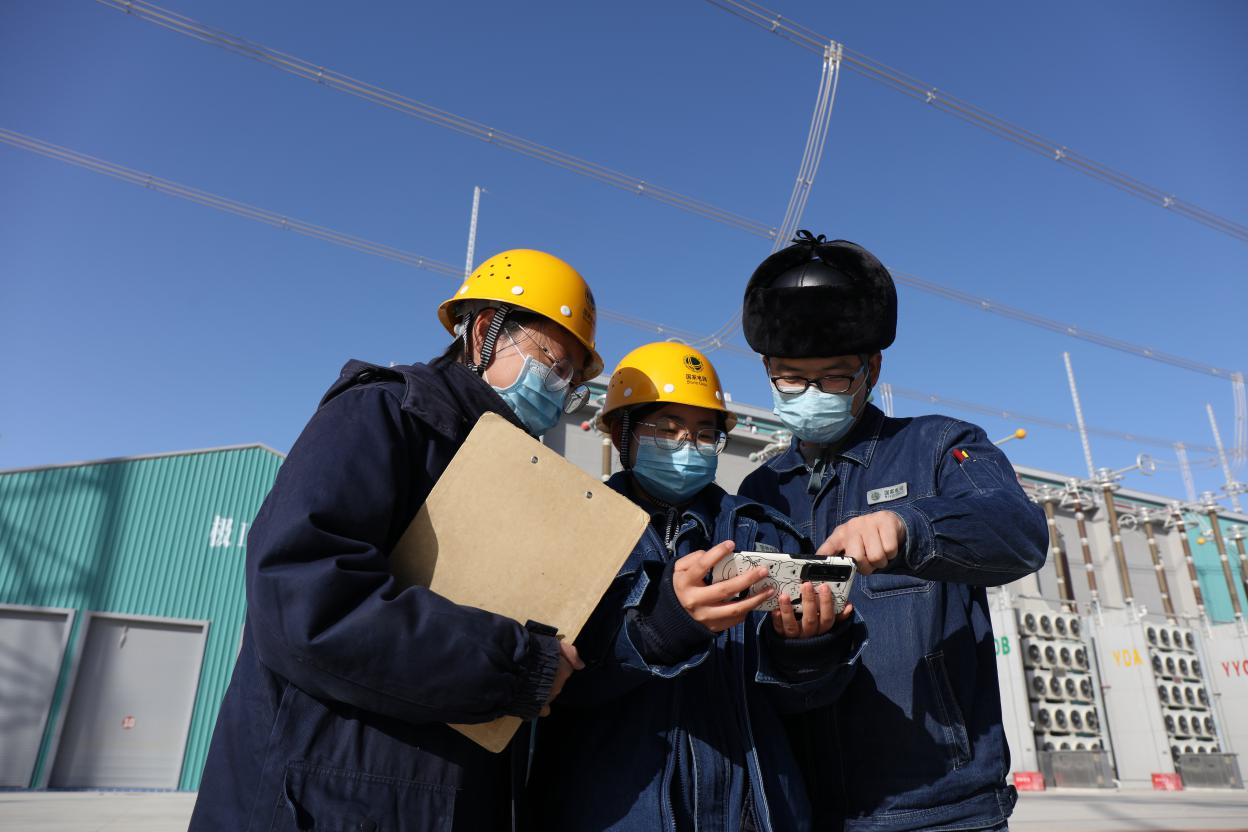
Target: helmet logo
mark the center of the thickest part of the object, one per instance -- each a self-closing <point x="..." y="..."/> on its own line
<point x="696" y="368"/>
<point x="590" y="312"/>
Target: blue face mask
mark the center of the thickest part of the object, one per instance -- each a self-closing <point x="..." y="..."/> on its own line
<point x="673" y="476"/>
<point x="816" y="416"/>
<point x="537" y="407"/>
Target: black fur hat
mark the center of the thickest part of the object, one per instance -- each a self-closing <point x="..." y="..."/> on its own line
<point x="818" y="298"/>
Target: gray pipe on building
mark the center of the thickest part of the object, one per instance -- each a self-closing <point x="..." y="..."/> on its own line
<point x="1180" y="525"/>
<point x="1210" y="504"/>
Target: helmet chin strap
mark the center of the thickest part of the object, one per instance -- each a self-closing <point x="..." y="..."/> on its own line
<point x="626" y="433"/>
<point x="488" y="342"/>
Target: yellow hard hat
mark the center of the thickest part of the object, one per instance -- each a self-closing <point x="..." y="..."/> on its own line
<point x="665" y="372"/>
<point x="538" y="282"/>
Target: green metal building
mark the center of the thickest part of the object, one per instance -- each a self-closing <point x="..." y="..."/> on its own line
<point x="121" y="612"/>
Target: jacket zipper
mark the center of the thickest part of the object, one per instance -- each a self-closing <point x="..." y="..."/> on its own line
<point x="672" y="774"/>
<point x="754" y="768"/>
<point x="670" y="534"/>
<point x="693" y="758"/>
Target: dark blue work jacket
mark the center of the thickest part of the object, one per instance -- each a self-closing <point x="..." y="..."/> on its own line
<point x="335" y="716"/>
<point x="916" y="740"/>
<point x="671" y="727"/>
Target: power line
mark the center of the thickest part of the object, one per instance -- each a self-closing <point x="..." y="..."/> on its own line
<point x="978" y="117"/>
<point x="1044" y="421"/>
<point x="816" y="138"/>
<point x="376" y="249"/>
<point x="242" y="209"/>
<point x="1071" y="330"/>
<point x="282" y="221"/>
<point x="1023" y="316"/>
<point x="307" y="70"/>
<point x="409" y="106"/>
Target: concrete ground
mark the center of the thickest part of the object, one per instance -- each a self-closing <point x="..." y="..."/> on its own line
<point x="95" y="811"/>
<point x="1077" y="810"/>
<point x="1053" y="811"/>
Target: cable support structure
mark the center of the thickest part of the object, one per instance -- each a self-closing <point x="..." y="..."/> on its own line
<point x="870" y="68"/>
<point x="408" y="106"/>
<point x="1239" y="451"/>
<point x="282" y="221"/>
<point x="1185" y="471"/>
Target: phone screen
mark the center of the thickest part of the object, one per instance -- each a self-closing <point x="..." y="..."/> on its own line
<point x="833" y="572"/>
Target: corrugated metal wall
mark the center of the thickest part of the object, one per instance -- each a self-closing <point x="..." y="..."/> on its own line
<point x="160" y="536"/>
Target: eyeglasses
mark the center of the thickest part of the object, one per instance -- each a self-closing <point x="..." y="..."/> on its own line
<point x="790" y="385"/>
<point x="671" y="434"/>
<point x="560" y="373"/>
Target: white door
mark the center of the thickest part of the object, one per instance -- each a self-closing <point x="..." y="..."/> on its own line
<point x="131" y="705"/>
<point x="32" y="647"/>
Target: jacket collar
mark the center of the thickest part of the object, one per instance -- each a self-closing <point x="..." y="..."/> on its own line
<point x="445" y="395"/>
<point x="472" y="395"/>
<point x="858" y="446"/>
<point x="702" y="509"/>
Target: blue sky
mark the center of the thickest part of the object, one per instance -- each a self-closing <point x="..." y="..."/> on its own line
<point x="132" y="322"/>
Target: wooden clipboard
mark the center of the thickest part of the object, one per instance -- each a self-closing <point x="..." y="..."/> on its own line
<point x="514" y="528"/>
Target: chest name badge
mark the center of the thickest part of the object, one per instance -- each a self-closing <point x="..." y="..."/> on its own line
<point x="883" y="495"/>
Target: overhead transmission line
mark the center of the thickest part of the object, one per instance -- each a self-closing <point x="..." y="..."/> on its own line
<point x="251" y="212"/>
<point x="282" y="221"/>
<point x="877" y="71"/>
<point x="816" y="138"/>
<point x="1014" y="415"/>
<point x="920" y="91"/>
<point x="409" y="106"/>
<point x="395" y="101"/>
